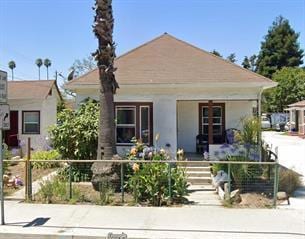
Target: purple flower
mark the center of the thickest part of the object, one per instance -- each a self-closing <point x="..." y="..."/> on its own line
<point x="233" y="149"/>
<point x="21" y="143"/>
<point x="223" y="152"/>
<point x="223" y="146"/>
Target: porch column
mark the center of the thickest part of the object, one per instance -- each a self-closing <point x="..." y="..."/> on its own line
<point x="165" y="123"/>
<point x="259" y="111"/>
<point x="210" y="112"/>
<point x="301" y="117"/>
<point x="290" y="119"/>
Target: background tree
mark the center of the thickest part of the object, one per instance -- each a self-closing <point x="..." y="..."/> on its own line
<point x="246" y="63"/>
<point x="249" y="62"/>
<point x="232" y="57"/>
<point x="12" y="66"/>
<point x="279" y="49"/>
<point x="216" y="53"/>
<point x="47" y="63"/>
<point x="104" y="55"/>
<point x="290" y="89"/>
<point x="253" y="62"/>
<point x="39" y="63"/>
<point x="82" y="66"/>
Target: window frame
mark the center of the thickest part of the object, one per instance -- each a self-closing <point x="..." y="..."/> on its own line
<point x="138" y="106"/>
<point x="134" y="125"/>
<point x="23" y="122"/>
<point x="140" y="122"/>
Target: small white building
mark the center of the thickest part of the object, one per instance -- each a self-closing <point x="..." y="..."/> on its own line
<point x="297" y="117"/>
<point x="33" y="108"/>
<point x="170" y="87"/>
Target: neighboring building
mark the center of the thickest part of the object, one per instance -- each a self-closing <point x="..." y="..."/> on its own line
<point x="170" y="87"/>
<point x="297" y="117"/>
<point x="33" y="106"/>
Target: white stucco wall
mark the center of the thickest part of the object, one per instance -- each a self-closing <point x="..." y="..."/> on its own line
<point x="48" y="110"/>
<point x="165" y="122"/>
<point x="182" y="102"/>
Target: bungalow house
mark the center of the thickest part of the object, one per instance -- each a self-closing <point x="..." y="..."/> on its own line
<point x="297" y="117"/>
<point x="33" y="108"/>
<point x="171" y="87"/>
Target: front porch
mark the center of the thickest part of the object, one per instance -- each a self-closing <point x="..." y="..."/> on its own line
<point x="211" y="119"/>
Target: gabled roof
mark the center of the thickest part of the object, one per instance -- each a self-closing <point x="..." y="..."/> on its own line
<point x="298" y="104"/>
<point x="168" y="60"/>
<point x="30" y="89"/>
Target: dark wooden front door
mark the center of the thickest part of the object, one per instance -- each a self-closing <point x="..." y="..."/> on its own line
<point x="212" y="122"/>
<point x="11" y="136"/>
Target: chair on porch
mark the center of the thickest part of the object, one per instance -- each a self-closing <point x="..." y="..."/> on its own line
<point x="231" y="135"/>
<point x="202" y="143"/>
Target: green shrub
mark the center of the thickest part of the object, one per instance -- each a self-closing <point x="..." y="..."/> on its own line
<point x="179" y="183"/>
<point x="6" y="155"/>
<point x="216" y="167"/>
<point x="151" y="183"/>
<point x="80" y="172"/>
<point x="56" y="190"/>
<point x="45" y="155"/>
<point x="243" y="174"/>
<point x="106" y="194"/>
<point x="289" y="181"/>
<point x="76" y="134"/>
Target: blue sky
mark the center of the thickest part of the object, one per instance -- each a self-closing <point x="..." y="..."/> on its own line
<point x="61" y="29"/>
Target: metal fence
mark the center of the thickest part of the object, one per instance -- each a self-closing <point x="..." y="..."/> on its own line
<point x="70" y="181"/>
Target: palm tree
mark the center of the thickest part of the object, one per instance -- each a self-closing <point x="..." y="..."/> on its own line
<point x="12" y="66"/>
<point x="47" y="63"/>
<point x="39" y="63"/>
<point x="104" y="56"/>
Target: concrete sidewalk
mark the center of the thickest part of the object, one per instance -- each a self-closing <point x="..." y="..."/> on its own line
<point x="87" y="221"/>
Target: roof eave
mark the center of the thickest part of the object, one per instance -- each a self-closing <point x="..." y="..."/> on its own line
<point x="264" y="85"/>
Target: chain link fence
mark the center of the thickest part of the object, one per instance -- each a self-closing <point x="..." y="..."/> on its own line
<point x="141" y="182"/>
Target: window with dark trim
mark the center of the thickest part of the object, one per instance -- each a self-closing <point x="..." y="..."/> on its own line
<point x="133" y="120"/>
<point x="212" y="122"/>
<point x="31" y="122"/>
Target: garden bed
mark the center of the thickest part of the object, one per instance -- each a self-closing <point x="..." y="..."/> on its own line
<point x="83" y="193"/>
<point x="18" y="169"/>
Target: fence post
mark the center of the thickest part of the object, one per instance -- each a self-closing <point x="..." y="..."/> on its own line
<point x="70" y="180"/>
<point x="1" y="179"/>
<point x="28" y="173"/>
<point x="229" y="180"/>
<point x="169" y="182"/>
<point x="122" y="182"/>
<point x="30" y="181"/>
<point x="276" y="178"/>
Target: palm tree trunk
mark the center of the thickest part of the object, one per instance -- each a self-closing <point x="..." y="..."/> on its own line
<point x="47" y="73"/>
<point x="39" y="73"/>
<point x="12" y="74"/>
<point x="104" y="55"/>
<point x="106" y="140"/>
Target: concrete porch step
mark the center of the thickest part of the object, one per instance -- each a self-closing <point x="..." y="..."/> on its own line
<point x="197" y="169"/>
<point x="193" y="164"/>
<point x="199" y="180"/>
<point x="198" y="174"/>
